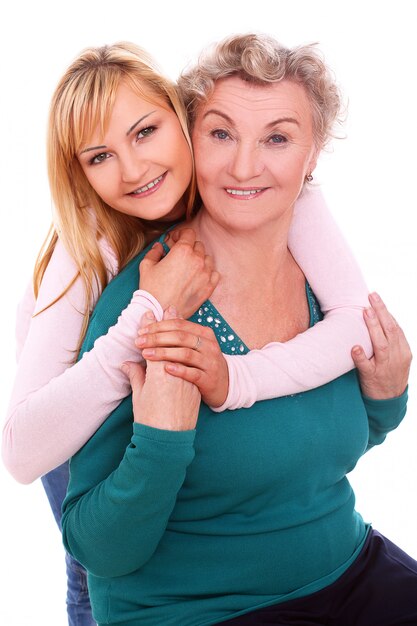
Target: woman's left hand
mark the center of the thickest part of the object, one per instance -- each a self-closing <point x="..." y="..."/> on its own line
<point x="193" y="354"/>
<point x="385" y="374"/>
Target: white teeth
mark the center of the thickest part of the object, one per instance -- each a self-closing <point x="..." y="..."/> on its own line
<point x="242" y="192"/>
<point x="148" y="186"/>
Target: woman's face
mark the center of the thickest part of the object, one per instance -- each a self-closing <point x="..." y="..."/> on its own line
<point x="253" y="147"/>
<point x="142" y="166"/>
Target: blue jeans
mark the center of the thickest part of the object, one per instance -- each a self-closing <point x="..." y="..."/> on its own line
<point x="78" y="602"/>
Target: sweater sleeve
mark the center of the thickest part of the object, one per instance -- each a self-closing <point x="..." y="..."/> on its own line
<point x="56" y="407"/>
<point x="113" y="523"/>
<point x="322" y="352"/>
<point x="384" y="416"/>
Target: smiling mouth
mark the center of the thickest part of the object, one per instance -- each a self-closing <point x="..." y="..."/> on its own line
<point x="147" y="187"/>
<point x="244" y="192"/>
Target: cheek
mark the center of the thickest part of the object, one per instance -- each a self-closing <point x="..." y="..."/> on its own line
<point x="101" y="181"/>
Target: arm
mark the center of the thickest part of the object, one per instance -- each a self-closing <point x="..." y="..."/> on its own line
<point x="322" y="353"/>
<point x="312" y="358"/>
<point x="109" y="500"/>
<point x="56" y="408"/>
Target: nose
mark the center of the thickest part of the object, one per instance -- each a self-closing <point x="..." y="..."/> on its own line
<point x="245" y="162"/>
<point x="132" y="168"/>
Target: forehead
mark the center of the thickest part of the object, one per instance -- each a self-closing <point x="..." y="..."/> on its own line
<point x="236" y="98"/>
<point x="127" y="105"/>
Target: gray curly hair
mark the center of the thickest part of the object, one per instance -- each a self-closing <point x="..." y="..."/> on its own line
<point x="260" y="60"/>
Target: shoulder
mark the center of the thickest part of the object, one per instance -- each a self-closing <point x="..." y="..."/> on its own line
<point x="116" y="297"/>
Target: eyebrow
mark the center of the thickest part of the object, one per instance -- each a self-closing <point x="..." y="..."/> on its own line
<point x="127" y="133"/>
<point x="228" y="119"/>
<point x="139" y="121"/>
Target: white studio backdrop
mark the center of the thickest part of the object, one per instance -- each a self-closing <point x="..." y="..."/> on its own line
<point x="368" y="179"/>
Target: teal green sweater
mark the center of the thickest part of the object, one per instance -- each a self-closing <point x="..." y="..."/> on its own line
<point x="251" y="508"/>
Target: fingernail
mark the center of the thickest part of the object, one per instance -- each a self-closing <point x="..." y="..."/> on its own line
<point x="370" y="312"/>
<point x="172" y="310"/>
<point x="149" y="315"/>
<point x="143" y="331"/>
<point x="148" y="352"/>
<point x="375" y="297"/>
<point x="140" y="341"/>
<point x="357" y="351"/>
<point x="171" y="367"/>
<point x="125" y="368"/>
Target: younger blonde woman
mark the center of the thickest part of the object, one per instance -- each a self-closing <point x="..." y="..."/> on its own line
<point x="121" y="172"/>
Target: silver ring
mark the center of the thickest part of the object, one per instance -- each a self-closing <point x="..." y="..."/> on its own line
<point x="198" y="343"/>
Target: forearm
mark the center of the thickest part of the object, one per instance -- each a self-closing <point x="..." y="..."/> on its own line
<point x="323" y="352"/>
<point x="47" y="425"/>
<point x="311" y="359"/>
<point x="115" y="527"/>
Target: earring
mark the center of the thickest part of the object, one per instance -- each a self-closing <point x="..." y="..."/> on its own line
<point x="309" y="177"/>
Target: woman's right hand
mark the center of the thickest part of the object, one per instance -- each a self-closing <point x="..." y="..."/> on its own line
<point x="184" y="278"/>
<point x="159" y="399"/>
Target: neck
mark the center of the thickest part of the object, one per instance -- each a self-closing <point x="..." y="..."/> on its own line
<point x="261" y="251"/>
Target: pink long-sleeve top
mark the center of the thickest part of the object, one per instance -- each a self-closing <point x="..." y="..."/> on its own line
<point x="56" y="406"/>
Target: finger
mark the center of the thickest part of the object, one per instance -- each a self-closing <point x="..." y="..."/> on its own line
<point x="154" y="255"/>
<point x="186" y="235"/>
<point x="135" y="374"/>
<point x="179" y="324"/>
<point x="190" y="374"/>
<point x="147" y="318"/>
<point x="388" y="323"/>
<point x="214" y="279"/>
<point x="170" y="313"/>
<point x="365" y="366"/>
<point x="169" y="339"/>
<point x="209" y="262"/>
<point x="378" y="337"/>
<point x="185" y="356"/>
<point x="174" y="234"/>
<point x="200" y="249"/>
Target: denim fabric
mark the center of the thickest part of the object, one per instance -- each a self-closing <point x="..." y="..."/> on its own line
<point x="78" y="602"/>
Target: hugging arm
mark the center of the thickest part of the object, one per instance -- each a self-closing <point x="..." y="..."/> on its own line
<point x="55" y="406"/>
<point x="312" y="358"/>
<point x="323" y="352"/>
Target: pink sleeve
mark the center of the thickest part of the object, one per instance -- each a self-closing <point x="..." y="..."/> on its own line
<point x="55" y="407"/>
<point x="321" y="353"/>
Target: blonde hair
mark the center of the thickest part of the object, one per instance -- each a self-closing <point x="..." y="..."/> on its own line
<point x="83" y="100"/>
<point x="260" y="60"/>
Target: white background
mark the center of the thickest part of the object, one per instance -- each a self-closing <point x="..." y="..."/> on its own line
<point x="368" y="179"/>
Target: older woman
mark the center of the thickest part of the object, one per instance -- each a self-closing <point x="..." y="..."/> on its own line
<point x="198" y="517"/>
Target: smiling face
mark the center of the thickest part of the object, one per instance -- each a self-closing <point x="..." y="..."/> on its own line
<point x="253" y="147"/>
<point x="143" y="165"/>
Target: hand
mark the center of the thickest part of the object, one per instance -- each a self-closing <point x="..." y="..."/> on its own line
<point x="159" y="399"/>
<point x="385" y="375"/>
<point x="193" y="354"/>
<point x="184" y="278"/>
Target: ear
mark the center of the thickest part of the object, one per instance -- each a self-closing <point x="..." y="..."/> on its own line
<point x="313" y="160"/>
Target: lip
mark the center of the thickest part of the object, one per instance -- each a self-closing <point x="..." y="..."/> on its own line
<point x="155" y="184"/>
<point x="244" y="193"/>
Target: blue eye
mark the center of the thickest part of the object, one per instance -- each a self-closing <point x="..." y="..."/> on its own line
<point x="99" y="158"/>
<point x="278" y="139"/>
<point x="220" y="134"/>
<point x="145" y="132"/>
